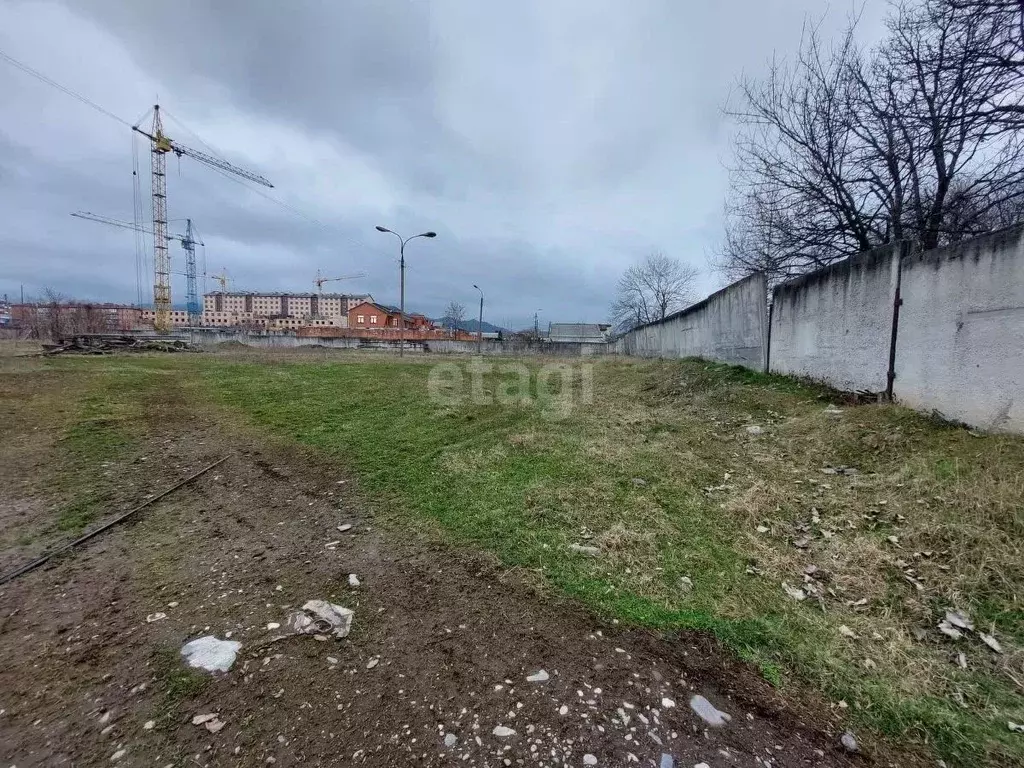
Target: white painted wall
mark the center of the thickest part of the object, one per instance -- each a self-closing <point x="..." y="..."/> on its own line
<point x="960" y="345"/>
<point x="729" y="326"/>
<point x="835" y="325"/>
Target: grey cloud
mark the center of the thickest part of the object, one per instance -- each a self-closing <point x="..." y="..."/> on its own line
<point x="550" y="144"/>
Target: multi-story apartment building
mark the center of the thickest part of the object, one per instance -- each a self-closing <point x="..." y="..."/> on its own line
<point x="278" y="310"/>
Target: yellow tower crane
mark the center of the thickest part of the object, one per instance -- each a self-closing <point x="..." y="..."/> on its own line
<point x="222" y="278"/>
<point x="320" y="280"/>
<point x="161" y="146"/>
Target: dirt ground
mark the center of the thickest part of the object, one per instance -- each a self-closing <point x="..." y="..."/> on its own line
<point x="441" y="645"/>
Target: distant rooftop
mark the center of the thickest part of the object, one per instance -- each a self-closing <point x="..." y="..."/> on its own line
<point x="577" y="332"/>
<point x="289" y="294"/>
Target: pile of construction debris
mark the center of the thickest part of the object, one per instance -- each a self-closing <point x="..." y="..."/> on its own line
<point x="108" y="343"/>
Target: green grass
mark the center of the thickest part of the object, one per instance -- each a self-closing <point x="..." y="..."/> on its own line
<point x="523" y="485"/>
<point x="178" y="682"/>
<point x="524" y="481"/>
<point x="106" y="421"/>
<point x="78" y="513"/>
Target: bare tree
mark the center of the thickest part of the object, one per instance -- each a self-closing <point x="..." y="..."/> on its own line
<point x="454" y="314"/>
<point x="1000" y="46"/>
<point x="651" y="290"/>
<point x="844" y="150"/>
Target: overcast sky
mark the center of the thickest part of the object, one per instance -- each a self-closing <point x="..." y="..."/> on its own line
<point x="550" y="143"/>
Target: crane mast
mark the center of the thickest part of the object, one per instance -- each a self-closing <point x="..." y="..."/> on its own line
<point x="188" y="242"/>
<point x="161" y="257"/>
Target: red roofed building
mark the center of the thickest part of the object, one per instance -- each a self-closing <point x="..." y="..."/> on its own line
<point x="372" y="316"/>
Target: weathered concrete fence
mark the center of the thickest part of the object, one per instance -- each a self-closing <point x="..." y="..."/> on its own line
<point x="939" y="331"/>
<point x="729" y="326"/>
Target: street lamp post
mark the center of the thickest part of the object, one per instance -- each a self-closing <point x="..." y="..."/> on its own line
<point x="480" y="324"/>
<point x="401" y="308"/>
<point x="536" y="325"/>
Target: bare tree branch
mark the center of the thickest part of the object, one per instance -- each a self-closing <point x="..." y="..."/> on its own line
<point x="651" y="290"/>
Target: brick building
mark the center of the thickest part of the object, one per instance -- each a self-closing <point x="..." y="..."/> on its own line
<point x="368" y="315"/>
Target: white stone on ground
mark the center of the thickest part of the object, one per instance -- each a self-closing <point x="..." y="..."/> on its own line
<point x="708" y="712"/>
<point x="538" y="677"/>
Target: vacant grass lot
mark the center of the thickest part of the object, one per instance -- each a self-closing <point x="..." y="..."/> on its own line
<point x="878" y="519"/>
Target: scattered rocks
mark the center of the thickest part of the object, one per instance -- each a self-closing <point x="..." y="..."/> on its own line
<point x="802" y="543"/>
<point x="538" y="677"/>
<point x="638" y="482"/>
<point x="667" y="703"/>
<point x="685" y="584"/>
<point x="118" y="755"/>
<point x="353" y="580"/>
<point x="345" y="528"/>
<point x="754" y="429"/>
<point x="1015" y="727"/>
<point x="502" y="731"/>
<point x="211" y="654"/>
<point x="589" y="759"/>
<point x="450" y="740"/>
<point x="667" y="761"/>
<point x="149" y="725"/>
<point x="373" y="662"/>
<point x="763" y="529"/>
<point x="158" y="616"/>
<point x="849" y="742"/>
<point x="708" y="712"/>
<point x="845" y="631"/>
<point x="202" y="719"/>
<point x="563" y="710"/>
<point x="585" y="549"/>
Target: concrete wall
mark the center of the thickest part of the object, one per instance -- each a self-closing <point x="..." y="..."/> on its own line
<point x="214" y="336"/>
<point x="514" y="348"/>
<point x="835" y="325"/>
<point x="729" y="326"/>
<point x="960" y="342"/>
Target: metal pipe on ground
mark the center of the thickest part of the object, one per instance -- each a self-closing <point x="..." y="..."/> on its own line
<point x="121" y="518"/>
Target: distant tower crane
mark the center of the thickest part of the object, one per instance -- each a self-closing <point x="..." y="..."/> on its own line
<point x="222" y="278"/>
<point x="320" y="280"/>
<point x="188" y="243"/>
<point x="161" y="145"/>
